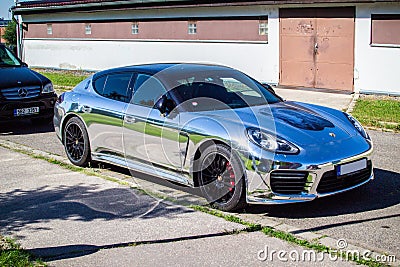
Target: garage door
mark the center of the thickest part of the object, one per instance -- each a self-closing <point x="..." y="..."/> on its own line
<point x="317" y="47"/>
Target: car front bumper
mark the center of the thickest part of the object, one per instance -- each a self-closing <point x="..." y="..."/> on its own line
<point x="44" y="103"/>
<point x="290" y="182"/>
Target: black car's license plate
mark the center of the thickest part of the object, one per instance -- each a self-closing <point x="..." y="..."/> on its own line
<point x="26" y="111"/>
<point x="351" y="167"/>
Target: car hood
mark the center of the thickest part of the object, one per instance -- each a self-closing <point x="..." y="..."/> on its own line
<point x="296" y="122"/>
<point x="19" y="76"/>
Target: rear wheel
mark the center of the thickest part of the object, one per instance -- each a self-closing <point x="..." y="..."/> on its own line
<point x="76" y="142"/>
<point x="221" y="178"/>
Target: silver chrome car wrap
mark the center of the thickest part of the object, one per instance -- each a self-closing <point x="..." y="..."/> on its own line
<point x="320" y="164"/>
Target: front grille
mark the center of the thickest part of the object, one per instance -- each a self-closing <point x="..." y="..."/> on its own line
<point x="288" y="182"/>
<point x="18" y="93"/>
<point x="330" y="182"/>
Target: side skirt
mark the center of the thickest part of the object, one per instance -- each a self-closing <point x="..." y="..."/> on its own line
<point x="143" y="168"/>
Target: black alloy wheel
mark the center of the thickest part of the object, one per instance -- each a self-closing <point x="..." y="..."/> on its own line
<point x="76" y="142"/>
<point x="221" y="178"/>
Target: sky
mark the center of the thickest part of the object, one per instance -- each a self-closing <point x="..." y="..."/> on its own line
<point x="4" y="6"/>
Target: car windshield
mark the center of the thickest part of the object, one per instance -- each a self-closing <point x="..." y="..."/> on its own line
<point x="7" y="59"/>
<point x="214" y="89"/>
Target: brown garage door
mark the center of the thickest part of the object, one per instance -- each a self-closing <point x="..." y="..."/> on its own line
<point x="317" y="47"/>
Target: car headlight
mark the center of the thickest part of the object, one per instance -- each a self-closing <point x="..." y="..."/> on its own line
<point x="357" y="125"/>
<point x="48" y="88"/>
<point x="270" y="142"/>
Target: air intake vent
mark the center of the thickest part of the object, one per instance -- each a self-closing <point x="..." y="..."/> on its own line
<point x="330" y="182"/>
<point x="287" y="182"/>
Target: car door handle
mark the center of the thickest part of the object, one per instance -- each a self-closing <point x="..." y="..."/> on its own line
<point x="129" y="119"/>
<point x="86" y="109"/>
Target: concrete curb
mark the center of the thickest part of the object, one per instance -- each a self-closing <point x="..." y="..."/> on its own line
<point x="186" y="199"/>
<point x="353" y="102"/>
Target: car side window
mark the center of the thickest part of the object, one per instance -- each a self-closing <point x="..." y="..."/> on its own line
<point x="114" y="86"/>
<point x="147" y="90"/>
<point x="99" y="84"/>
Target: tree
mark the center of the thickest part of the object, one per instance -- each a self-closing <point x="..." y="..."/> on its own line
<point x="10" y="34"/>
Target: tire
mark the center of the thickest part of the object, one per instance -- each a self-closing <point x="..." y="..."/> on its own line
<point x="221" y="178"/>
<point x="76" y="142"/>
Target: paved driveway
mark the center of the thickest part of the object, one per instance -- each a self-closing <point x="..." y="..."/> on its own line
<point x="368" y="216"/>
<point x="71" y="219"/>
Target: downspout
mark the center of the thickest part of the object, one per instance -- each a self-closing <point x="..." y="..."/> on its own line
<point x="19" y="32"/>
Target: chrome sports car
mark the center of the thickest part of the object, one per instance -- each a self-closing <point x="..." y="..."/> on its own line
<point x="215" y="128"/>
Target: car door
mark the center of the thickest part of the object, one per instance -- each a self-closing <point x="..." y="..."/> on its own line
<point x="149" y="137"/>
<point x="104" y="114"/>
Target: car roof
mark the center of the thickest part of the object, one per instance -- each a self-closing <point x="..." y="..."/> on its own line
<point x="159" y="67"/>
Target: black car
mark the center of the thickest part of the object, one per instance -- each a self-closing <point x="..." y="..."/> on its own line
<point x="24" y="93"/>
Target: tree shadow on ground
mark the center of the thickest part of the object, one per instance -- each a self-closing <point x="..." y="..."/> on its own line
<point x="22" y="209"/>
<point x="75" y="251"/>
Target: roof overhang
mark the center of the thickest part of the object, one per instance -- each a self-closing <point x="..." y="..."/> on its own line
<point x="54" y="6"/>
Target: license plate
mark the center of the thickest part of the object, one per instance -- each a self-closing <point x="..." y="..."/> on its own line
<point x="351" y="167"/>
<point x="26" y="111"/>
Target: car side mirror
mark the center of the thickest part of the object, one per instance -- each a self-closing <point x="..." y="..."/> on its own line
<point x="24" y="64"/>
<point x="268" y="87"/>
<point x="163" y="105"/>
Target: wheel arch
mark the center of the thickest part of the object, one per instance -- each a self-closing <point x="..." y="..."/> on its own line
<point x="64" y="122"/>
<point x="202" y="147"/>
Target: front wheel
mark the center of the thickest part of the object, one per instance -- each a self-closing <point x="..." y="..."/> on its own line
<point x="221" y="178"/>
<point x="76" y="142"/>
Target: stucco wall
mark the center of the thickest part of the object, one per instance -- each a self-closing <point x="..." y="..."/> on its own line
<point x="258" y="59"/>
<point x="376" y="69"/>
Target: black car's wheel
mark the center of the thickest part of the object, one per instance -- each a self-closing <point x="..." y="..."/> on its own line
<point x="76" y="142"/>
<point x="221" y="178"/>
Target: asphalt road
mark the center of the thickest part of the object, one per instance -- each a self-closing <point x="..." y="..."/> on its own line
<point x="368" y="216"/>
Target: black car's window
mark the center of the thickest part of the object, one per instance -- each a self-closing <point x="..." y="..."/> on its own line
<point x="147" y="90"/>
<point x="114" y="86"/>
<point x="7" y="58"/>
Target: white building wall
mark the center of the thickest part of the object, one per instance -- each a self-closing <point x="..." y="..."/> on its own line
<point x="376" y="69"/>
<point x="258" y="59"/>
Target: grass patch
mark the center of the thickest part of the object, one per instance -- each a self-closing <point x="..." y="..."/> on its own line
<point x="251" y="227"/>
<point x="380" y="113"/>
<point x="64" y="78"/>
<point x="11" y="254"/>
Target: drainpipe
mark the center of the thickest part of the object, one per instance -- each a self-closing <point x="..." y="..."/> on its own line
<point x="19" y="33"/>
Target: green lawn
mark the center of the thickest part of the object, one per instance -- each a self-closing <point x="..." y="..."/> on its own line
<point x="64" y="78"/>
<point x="380" y="113"/>
<point x="11" y="255"/>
